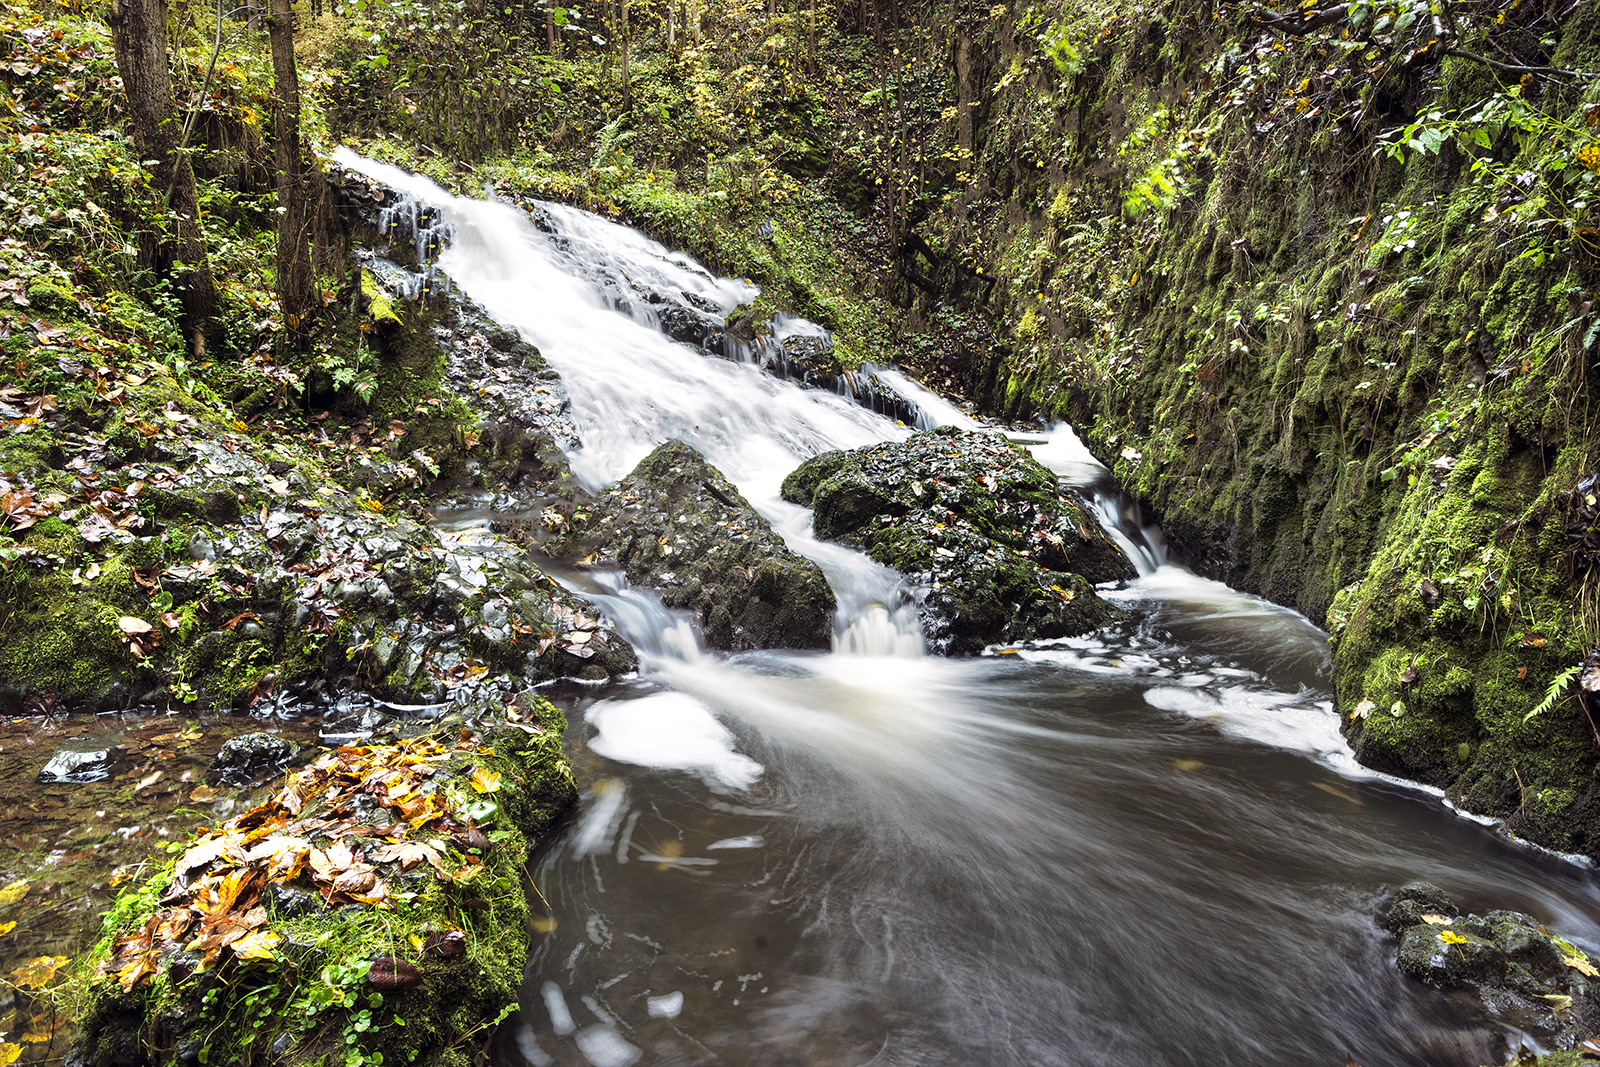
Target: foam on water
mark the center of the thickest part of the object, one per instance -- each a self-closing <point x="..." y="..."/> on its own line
<point x="671" y="731"/>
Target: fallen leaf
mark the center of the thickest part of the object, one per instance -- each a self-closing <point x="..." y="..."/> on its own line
<point x="1582" y="966"/>
<point x="484" y="780"/>
<point x="203" y="794"/>
<point x="1436" y="920"/>
<point x="1340" y="793"/>
<point x="6" y="928"/>
<point x="1187" y="764"/>
<point x="130" y="625"/>
<point x="256" y="945"/>
<point x="38" y="972"/>
<point x="1450" y="937"/>
<point x="1558" y="1001"/>
<point x="13" y="893"/>
<point x="9" y="1054"/>
<point x="410" y="853"/>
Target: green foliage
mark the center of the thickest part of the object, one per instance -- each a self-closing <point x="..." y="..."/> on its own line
<point x="1558" y="685"/>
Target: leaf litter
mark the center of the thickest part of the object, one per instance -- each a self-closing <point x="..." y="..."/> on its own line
<point x="316" y="829"/>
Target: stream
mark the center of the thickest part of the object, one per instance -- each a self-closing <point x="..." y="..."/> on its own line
<point x="1147" y="845"/>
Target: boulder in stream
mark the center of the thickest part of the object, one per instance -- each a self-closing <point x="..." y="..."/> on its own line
<point x="1003" y="552"/>
<point x="1505" y="966"/>
<point x="679" y="527"/>
<point x="82" y="759"/>
<point x="243" y="757"/>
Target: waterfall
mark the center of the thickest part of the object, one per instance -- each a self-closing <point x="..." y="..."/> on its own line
<point x="610" y="309"/>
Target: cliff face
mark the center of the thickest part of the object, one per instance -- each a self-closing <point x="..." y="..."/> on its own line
<point x="1323" y="301"/>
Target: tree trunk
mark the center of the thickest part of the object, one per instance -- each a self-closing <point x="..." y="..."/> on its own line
<point x="139" y="35"/>
<point x="295" y="294"/>
<point x="627" y="91"/>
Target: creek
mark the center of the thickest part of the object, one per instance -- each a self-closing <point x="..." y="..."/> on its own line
<point x="1149" y="845"/>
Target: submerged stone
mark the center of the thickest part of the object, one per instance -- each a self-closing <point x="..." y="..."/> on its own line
<point x="1003" y="553"/>
<point x="82" y="759"/>
<point x="242" y="758"/>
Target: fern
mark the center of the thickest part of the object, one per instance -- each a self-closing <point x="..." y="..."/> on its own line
<point x="1553" y="694"/>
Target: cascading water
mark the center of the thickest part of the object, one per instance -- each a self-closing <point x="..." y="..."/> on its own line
<point x="1146" y="845"/>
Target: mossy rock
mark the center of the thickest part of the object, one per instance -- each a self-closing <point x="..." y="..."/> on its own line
<point x="681" y="528"/>
<point x="375" y="905"/>
<point x="1004" y="553"/>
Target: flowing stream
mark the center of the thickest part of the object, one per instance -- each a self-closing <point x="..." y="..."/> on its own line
<point x="1148" y="845"/>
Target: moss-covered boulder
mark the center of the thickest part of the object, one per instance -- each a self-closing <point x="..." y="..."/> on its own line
<point x="1510" y="965"/>
<point x="374" y="907"/>
<point x="1004" y="553"/>
<point x="680" y="528"/>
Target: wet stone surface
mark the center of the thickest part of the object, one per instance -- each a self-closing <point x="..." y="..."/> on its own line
<point x="677" y="526"/>
<point x="1503" y="966"/>
<point x="244" y="757"/>
<point x="1002" y="553"/>
<point x="91" y="758"/>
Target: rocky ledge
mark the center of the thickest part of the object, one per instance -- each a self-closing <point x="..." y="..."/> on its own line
<point x="371" y="911"/>
<point x="1003" y="553"/>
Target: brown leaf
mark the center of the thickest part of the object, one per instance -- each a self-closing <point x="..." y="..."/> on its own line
<point x="38" y="972"/>
<point x="408" y="854"/>
<point x="391" y="973"/>
<point x="130" y="625"/>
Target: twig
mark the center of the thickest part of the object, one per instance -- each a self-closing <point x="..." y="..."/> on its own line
<point x="1512" y="68"/>
<point x="188" y="120"/>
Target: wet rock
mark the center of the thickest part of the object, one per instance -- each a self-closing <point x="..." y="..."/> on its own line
<point x="1412" y="902"/>
<point x="244" y="757"/>
<point x="1431" y="954"/>
<point x="1002" y="552"/>
<point x="679" y="527"/>
<point x="1508" y="966"/>
<point x="82" y="759"/>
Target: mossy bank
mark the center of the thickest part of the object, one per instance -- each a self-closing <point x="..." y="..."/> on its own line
<point x="374" y="911"/>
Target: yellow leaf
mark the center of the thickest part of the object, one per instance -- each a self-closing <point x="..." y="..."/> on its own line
<point x="1450" y="937"/>
<point x="6" y="928"/>
<point x="256" y="945"/>
<point x="38" y="971"/>
<point x="1582" y="966"/>
<point x="13" y="893"/>
<point x="484" y="780"/>
<point x="9" y="1054"/>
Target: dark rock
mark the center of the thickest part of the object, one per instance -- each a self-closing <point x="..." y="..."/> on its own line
<point x="1003" y="553"/>
<point x="82" y="759"/>
<point x="1427" y="955"/>
<point x="1507" y="966"/>
<point x="242" y="758"/>
<point x="679" y="527"/>
<point x="1412" y="902"/>
<point x="687" y="325"/>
